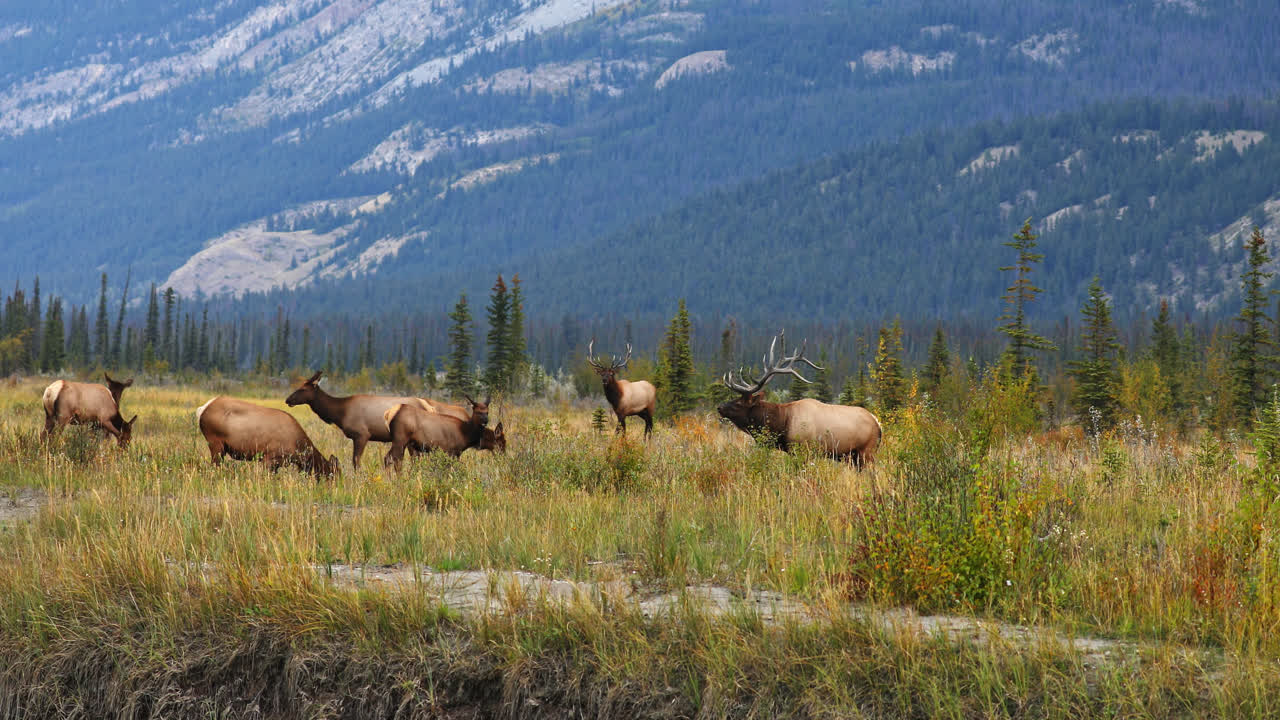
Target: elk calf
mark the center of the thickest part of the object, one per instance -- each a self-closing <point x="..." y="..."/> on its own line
<point x="246" y="431"/>
<point x="76" y="403"/>
<point x="420" y="430"/>
<point x="627" y="398"/>
<point x="841" y="431"/>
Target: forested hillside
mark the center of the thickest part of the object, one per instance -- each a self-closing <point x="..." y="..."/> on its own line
<point x="556" y="148"/>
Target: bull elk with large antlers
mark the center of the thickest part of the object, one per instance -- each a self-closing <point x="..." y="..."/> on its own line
<point x="841" y="431"/>
<point x="73" y="403"/>
<point x="627" y="398"/>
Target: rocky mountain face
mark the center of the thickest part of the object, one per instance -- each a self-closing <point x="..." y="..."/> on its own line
<point x="225" y="147"/>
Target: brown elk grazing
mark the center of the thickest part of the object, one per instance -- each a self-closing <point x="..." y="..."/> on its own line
<point x="360" y="417"/>
<point x="421" y="429"/>
<point x="76" y="403"/>
<point x="246" y="431"/>
<point x="841" y="431"/>
<point x="627" y="398"/>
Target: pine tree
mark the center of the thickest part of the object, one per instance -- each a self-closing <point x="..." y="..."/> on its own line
<point x="1166" y="351"/>
<point x="102" y="331"/>
<point x="820" y="390"/>
<point x="677" y="364"/>
<point x="498" y="339"/>
<point x="78" y="344"/>
<point x="935" y="370"/>
<point x="152" y="336"/>
<point x="1097" y="381"/>
<point x="37" y="333"/>
<point x="458" y="379"/>
<point x="370" y="356"/>
<point x="517" y="346"/>
<point x="1014" y="321"/>
<point x="304" y="359"/>
<point x="1252" y="352"/>
<point x="890" y="385"/>
<point x="202" y="342"/>
<point x="118" y="354"/>
<point x="849" y="392"/>
<point x="52" y="350"/>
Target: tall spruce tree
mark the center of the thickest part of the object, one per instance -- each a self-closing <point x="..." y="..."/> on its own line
<point x="458" y="380"/>
<point x="890" y="384"/>
<point x="52" y="350"/>
<point x="118" y="354"/>
<point x="1166" y="351"/>
<point x="517" y="346"/>
<point x="820" y="390"/>
<point x="677" y="364"/>
<point x="101" y="330"/>
<point x="78" y="343"/>
<point x="1252" y="355"/>
<point x="37" y="332"/>
<point x="166" y="341"/>
<point x="498" y="340"/>
<point x="1097" y="379"/>
<point x="935" y="370"/>
<point x="1013" y="323"/>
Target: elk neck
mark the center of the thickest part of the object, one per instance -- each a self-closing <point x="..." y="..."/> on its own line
<point x="329" y="408"/>
<point x="613" y="391"/>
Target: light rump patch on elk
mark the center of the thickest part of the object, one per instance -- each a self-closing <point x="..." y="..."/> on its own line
<point x="245" y="431"/>
<point x="72" y="403"/>
<point x="627" y="398"/>
<point x="841" y="431"/>
<point x="420" y="430"/>
<point x="360" y="417"/>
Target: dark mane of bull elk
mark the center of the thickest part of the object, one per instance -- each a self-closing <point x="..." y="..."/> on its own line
<point x="841" y="431"/>
<point x="627" y="398"/>
<point x="246" y="431"/>
<point x="419" y="428"/>
<point x="72" y="403"/>
<point x="360" y="417"/>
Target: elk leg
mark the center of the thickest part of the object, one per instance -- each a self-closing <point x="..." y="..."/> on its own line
<point x="622" y="424"/>
<point x="50" y="423"/>
<point x="395" y="457"/>
<point x="357" y="450"/>
<point x="215" y="451"/>
<point x="647" y="416"/>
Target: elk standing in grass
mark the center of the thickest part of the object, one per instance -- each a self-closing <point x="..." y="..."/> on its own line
<point x="76" y="403"/>
<point x="421" y="429"/>
<point x="360" y="417"/>
<point x="246" y="431"/>
<point x="841" y="431"/>
<point x="627" y="398"/>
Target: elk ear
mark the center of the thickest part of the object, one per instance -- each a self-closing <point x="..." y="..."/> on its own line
<point x="312" y="380"/>
<point x="131" y="421"/>
<point x="488" y="398"/>
<point x="468" y="397"/>
<point x="107" y="378"/>
<point x="128" y="383"/>
<point x="755" y="397"/>
<point x="497" y="430"/>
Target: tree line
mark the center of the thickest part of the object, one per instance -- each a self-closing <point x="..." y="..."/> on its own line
<point x="1218" y="375"/>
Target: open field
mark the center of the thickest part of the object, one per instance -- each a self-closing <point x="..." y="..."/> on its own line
<point x="968" y="574"/>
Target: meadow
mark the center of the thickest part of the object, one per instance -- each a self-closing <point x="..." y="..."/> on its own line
<point x="971" y="572"/>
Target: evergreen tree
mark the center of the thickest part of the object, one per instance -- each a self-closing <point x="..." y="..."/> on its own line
<point x="458" y="379"/>
<point x="517" y="346"/>
<point x="1166" y="351"/>
<point x="1252" y="354"/>
<point x="166" y="341"/>
<point x="78" y="345"/>
<point x="202" y="342"/>
<point x="890" y="385"/>
<point x="677" y="364"/>
<point x="935" y="370"/>
<point x="498" y="339"/>
<point x="151" y="338"/>
<point x="370" y="354"/>
<point x="102" y="351"/>
<point x="821" y="388"/>
<point x="415" y="358"/>
<point x="1097" y="379"/>
<point x="118" y="354"/>
<point x="1022" y="341"/>
<point x="36" y="336"/>
<point x="52" y="350"/>
<point x="304" y="359"/>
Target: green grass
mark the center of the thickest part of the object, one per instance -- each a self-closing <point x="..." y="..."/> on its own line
<point x="149" y="581"/>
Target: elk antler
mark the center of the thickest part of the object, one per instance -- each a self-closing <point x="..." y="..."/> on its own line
<point x="614" y="364"/>
<point x="772" y="366"/>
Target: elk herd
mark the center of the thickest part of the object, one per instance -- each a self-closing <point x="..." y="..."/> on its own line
<point x="247" y="431"/>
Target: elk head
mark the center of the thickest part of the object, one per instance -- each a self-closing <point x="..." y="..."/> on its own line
<point x="749" y="411"/>
<point x="495" y="440"/>
<point x="479" y="410"/>
<point x="607" y="373"/>
<point x="307" y="393"/>
<point x="331" y="467"/>
<point x="126" y="431"/>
